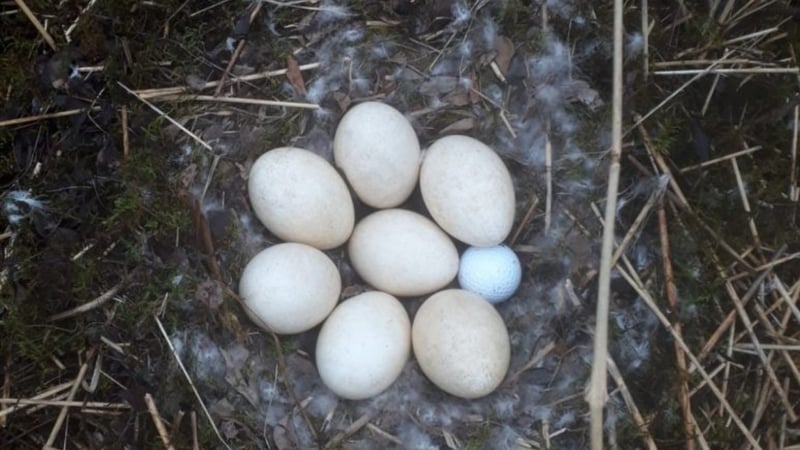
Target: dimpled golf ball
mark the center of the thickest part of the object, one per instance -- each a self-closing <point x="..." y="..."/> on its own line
<point x="494" y="273"/>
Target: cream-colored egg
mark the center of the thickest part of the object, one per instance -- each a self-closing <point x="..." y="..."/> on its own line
<point x="402" y="253"/>
<point x="378" y="151"/>
<point x="289" y="288"/>
<point x="461" y="343"/>
<point x="363" y="346"/>
<point x="300" y="197"/>
<point x="468" y="190"/>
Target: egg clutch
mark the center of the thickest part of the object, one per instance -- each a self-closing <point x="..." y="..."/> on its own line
<point x="457" y="336"/>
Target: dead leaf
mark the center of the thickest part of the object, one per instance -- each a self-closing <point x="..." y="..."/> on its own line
<point x="283" y="436"/>
<point x="438" y="85"/>
<point x="352" y="291"/>
<point x="505" y="51"/>
<point x="459" y="126"/>
<point x="343" y="100"/>
<point x="473" y="93"/>
<point x="235" y="359"/>
<point x="457" y="99"/>
<point x="229" y="429"/>
<point x="450" y="439"/>
<point x="209" y="294"/>
<point x="294" y="75"/>
<point x="581" y="91"/>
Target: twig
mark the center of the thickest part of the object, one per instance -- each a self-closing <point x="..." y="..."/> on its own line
<point x="526" y="219"/>
<point x="748" y="326"/>
<point x="191" y="383"/>
<point x="48" y="393"/>
<point x="389" y="437"/>
<point x="62" y="415"/>
<point x="166" y="116"/>
<point x="771" y="264"/>
<point x="238" y="100"/>
<point x="672" y="300"/>
<point x="678" y="91"/>
<point x="641" y="425"/>
<point x="195" y="441"/>
<point x="548" y="165"/>
<point x="100" y="300"/>
<point x="74" y="24"/>
<point x="731" y="317"/>
<point x="710" y="95"/>
<point x="746" y="206"/>
<point x="349" y="431"/>
<point x="126" y="144"/>
<point x="6" y="385"/>
<point x="645" y="41"/>
<point x="711" y="162"/>
<point x="683" y="204"/>
<point x="237" y="52"/>
<point x="38" y="25"/>
<point x="78" y="404"/>
<point x="655" y="196"/>
<point x="730" y="71"/>
<point x="38" y="117"/>
<point x="629" y="275"/>
<point x="214" y="164"/>
<point x="162" y="430"/>
<point x="540" y="355"/>
<point x="596" y="394"/>
<point x="794" y="189"/>
<point x="161" y="92"/>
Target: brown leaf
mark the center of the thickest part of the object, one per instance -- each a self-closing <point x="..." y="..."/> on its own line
<point x="438" y="85"/>
<point x="209" y="294"/>
<point x="343" y="100"/>
<point x="473" y="93"/>
<point x="505" y="51"/>
<point x="459" y="126"/>
<point x="457" y="99"/>
<point x="294" y="75"/>
<point x="235" y="359"/>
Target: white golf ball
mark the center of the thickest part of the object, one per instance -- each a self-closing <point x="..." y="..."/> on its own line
<point x="494" y="273"/>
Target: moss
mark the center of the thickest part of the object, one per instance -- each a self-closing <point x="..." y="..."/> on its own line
<point x="479" y="437"/>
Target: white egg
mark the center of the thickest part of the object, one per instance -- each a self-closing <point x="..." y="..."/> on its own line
<point x="402" y="253"/>
<point x="364" y="345"/>
<point x="378" y="151"/>
<point x="289" y="288"/>
<point x="468" y="190"/>
<point x="461" y="343"/>
<point x="300" y="197"/>
<point x="494" y="273"/>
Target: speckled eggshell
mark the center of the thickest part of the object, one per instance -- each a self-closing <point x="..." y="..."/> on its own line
<point x="378" y="151"/>
<point x="468" y="190"/>
<point x="300" y="197"/>
<point x="402" y="253"/>
<point x="289" y="288"/>
<point x="461" y="343"/>
<point x="364" y="345"/>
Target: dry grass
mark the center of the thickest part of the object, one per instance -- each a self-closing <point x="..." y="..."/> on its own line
<point x="88" y="369"/>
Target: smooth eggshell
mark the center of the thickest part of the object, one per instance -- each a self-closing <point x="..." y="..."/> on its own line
<point x="289" y="288"/>
<point x="402" y="253"/>
<point x="364" y="345"/>
<point x="468" y="190"/>
<point x="461" y="343"/>
<point x="378" y="151"/>
<point x="300" y="197"/>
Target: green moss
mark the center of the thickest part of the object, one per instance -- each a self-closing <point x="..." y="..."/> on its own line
<point x="479" y="437"/>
